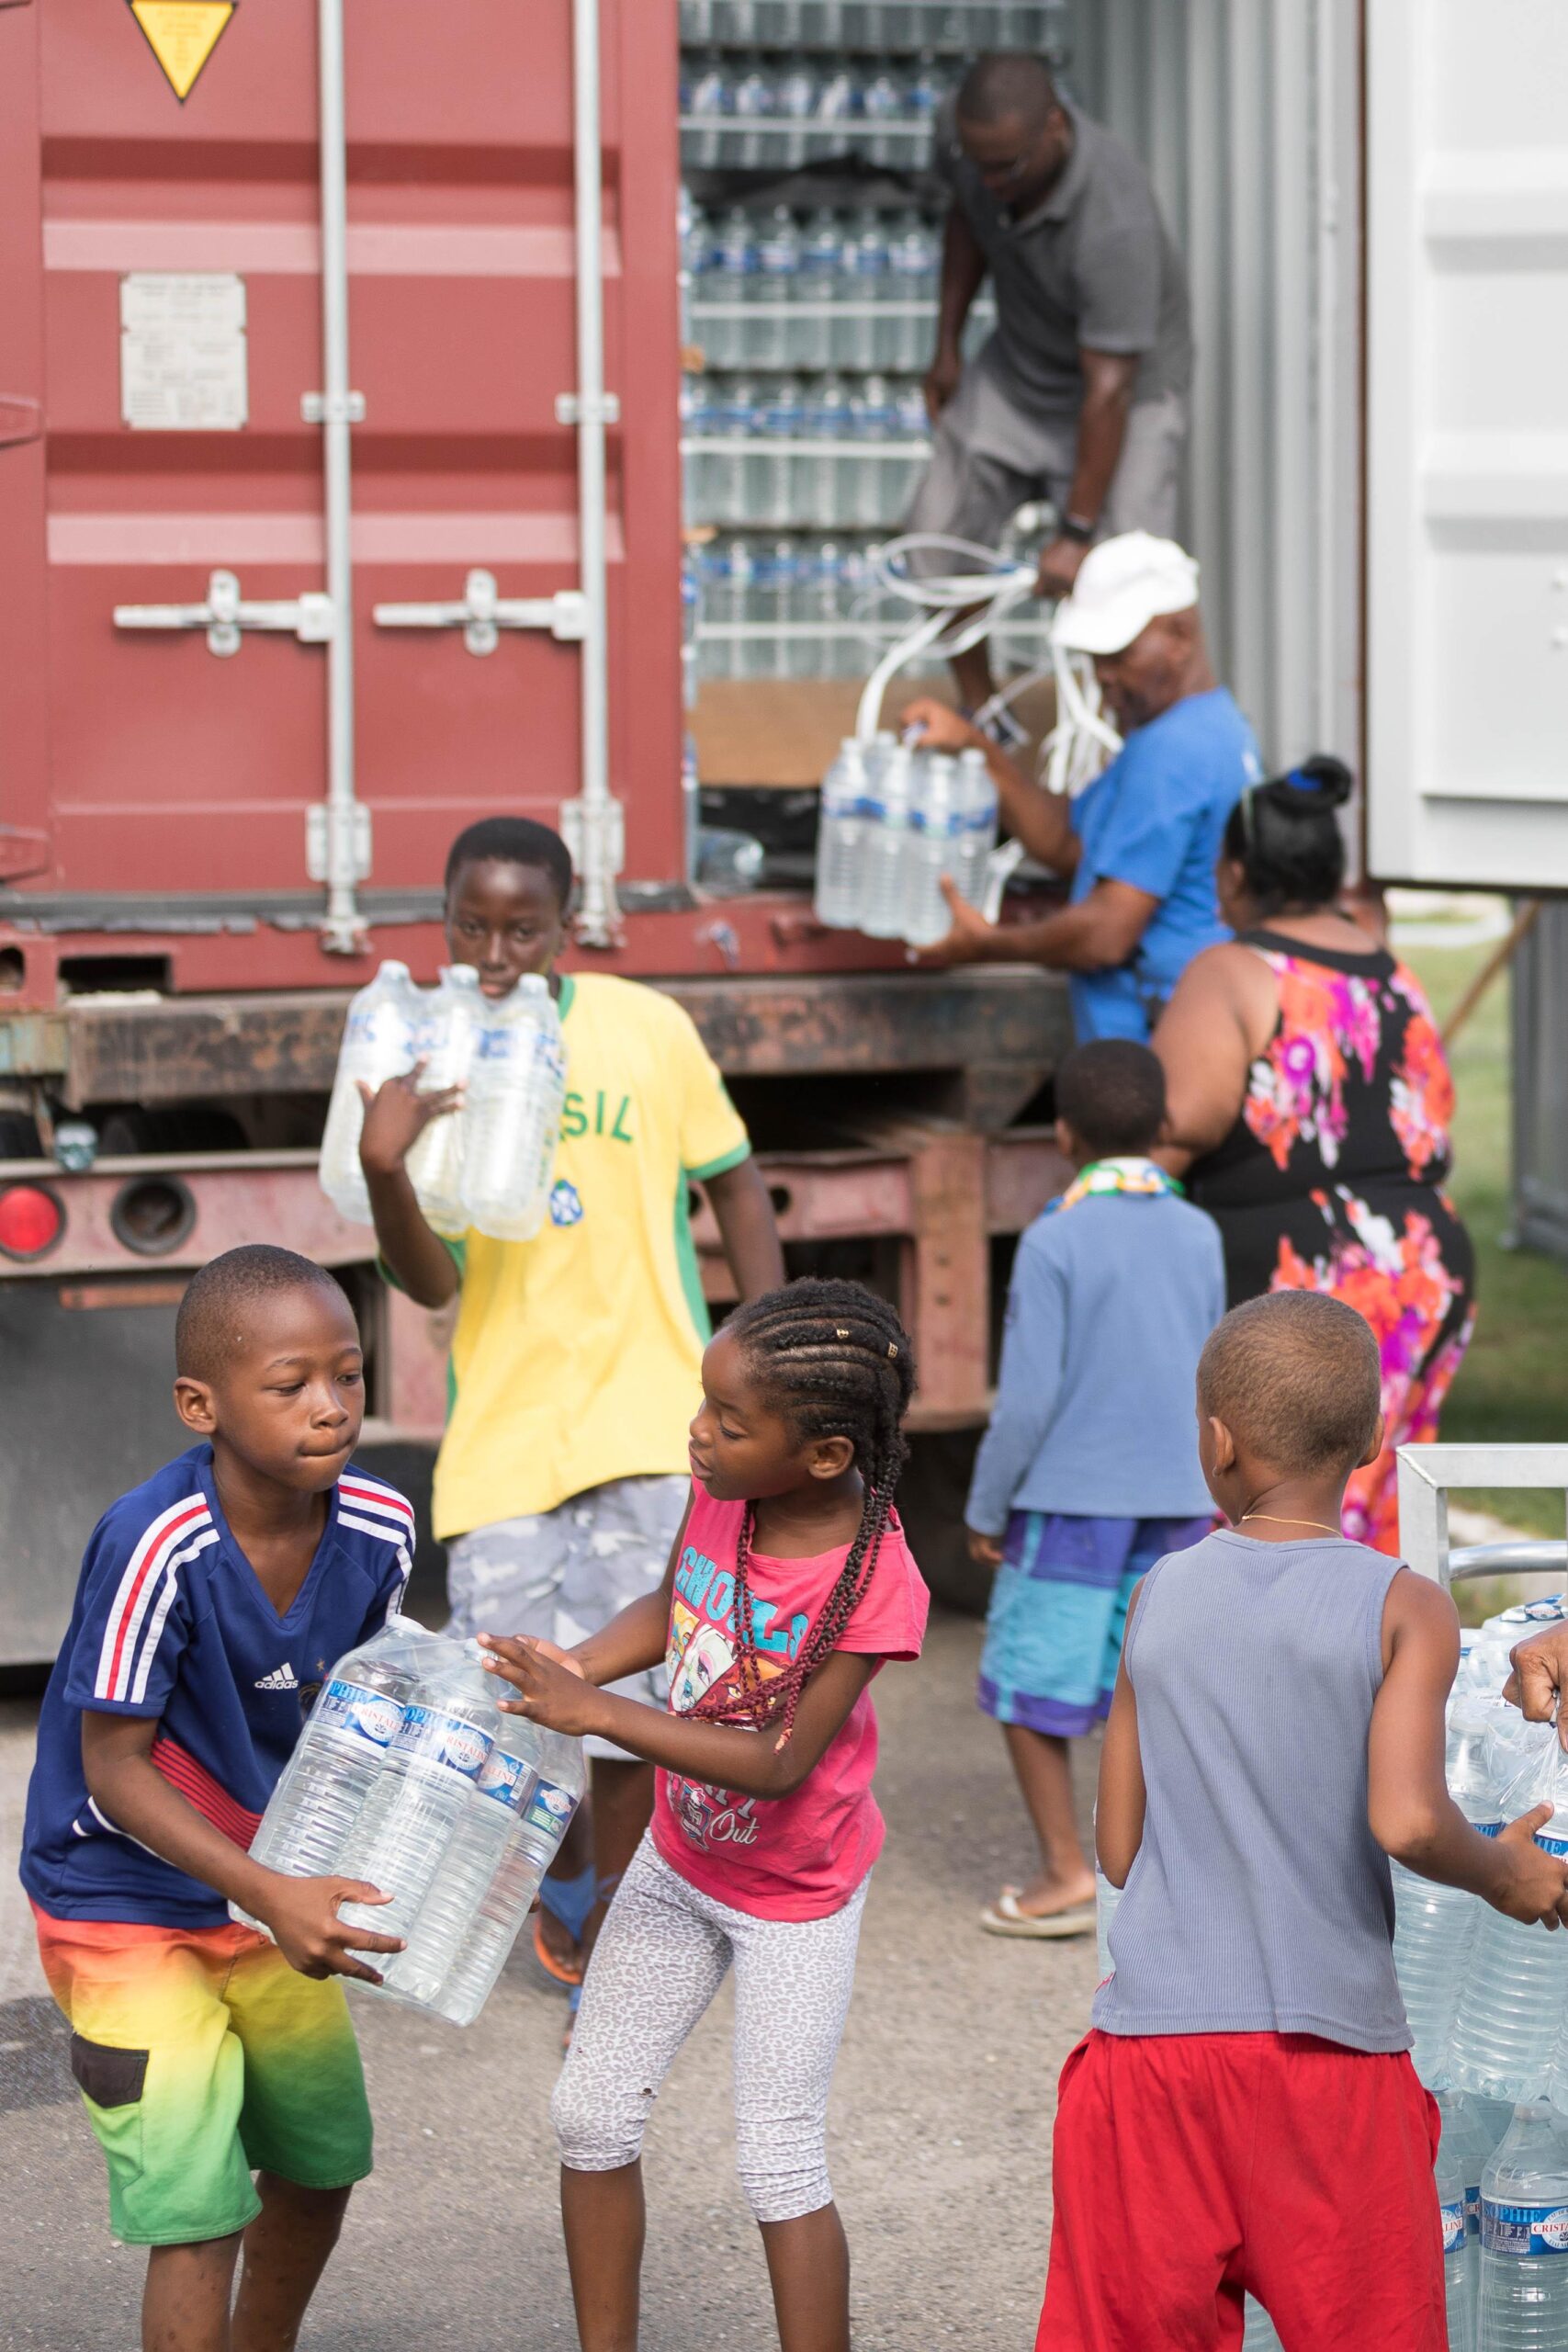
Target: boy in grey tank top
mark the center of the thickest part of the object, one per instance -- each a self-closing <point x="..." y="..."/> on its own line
<point x="1244" y="2116"/>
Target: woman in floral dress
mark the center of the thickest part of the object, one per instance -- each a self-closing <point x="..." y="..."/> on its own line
<point x="1309" y="1105"/>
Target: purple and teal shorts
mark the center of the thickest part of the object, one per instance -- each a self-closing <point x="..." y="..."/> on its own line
<point x="1058" y="1610"/>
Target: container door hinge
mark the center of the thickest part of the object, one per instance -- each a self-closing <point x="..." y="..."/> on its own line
<point x="353" y="820"/>
<point x="484" y="613"/>
<point x="576" y="408"/>
<point x="226" y="615"/>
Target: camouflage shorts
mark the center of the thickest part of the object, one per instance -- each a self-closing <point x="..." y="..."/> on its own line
<point x="565" y="1573"/>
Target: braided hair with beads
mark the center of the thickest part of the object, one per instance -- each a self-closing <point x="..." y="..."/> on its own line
<point x="834" y="1360"/>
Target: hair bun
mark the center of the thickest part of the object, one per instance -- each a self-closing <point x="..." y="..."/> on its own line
<point x="1322" y="779"/>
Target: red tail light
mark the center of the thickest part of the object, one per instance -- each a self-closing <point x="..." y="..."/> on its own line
<point x="31" y="1221"/>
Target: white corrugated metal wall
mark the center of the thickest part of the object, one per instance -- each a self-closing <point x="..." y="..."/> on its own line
<point x="1246" y="113"/>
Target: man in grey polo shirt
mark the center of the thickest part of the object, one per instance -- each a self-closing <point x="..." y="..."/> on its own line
<point x="1081" y="394"/>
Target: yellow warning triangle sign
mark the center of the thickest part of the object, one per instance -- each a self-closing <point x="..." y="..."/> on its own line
<point x="182" y="36"/>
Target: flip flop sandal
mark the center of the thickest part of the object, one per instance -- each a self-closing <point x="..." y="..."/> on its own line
<point x="1003" y="1917"/>
<point x="561" y="1970"/>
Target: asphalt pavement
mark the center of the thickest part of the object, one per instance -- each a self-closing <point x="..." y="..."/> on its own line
<point x="941" y="2132"/>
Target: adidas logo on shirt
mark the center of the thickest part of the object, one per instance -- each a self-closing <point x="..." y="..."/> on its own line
<point x="282" y="1677"/>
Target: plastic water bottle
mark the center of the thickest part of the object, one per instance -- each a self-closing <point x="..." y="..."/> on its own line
<point x="739" y="421"/>
<point x="874" y="421"/>
<point x="732" y="279"/>
<point x="822" y="254"/>
<point x="557" y="1788"/>
<point x="927" y="89"/>
<point x="977" y="803"/>
<point x="841" y="830"/>
<point x="340" y="1754"/>
<point x="838" y="108"/>
<point x="786" y="609"/>
<point x="933" y="813"/>
<point x="824" y="420"/>
<point x="777" y="283"/>
<point x="1472" y="2128"/>
<point x="436" y="1754"/>
<point x="706" y="103"/>
<point x="911" y="261"/>
<point x="886" y="851"/>
<point x="794" y="102"/>
<point x="378" y="1043"/>
<point x="883" y="104"/>
<point x="1436" y="1926"/>
<point x="1524" y="2237"/>
<point x="865" y="280"/>
<point x="435" y="1162"/>
<point x="1512" y="2000"/>
<point x="1459" y="2254"/>
<point x="516" y="1093"/>
<point x="769" y="466"/>
<point x="911" y="428"/>
<point x="735" y="604"/>
<point x="484" y="1829"/>
<point x="752" y="106"/>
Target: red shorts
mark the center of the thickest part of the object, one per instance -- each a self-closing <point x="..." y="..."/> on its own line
<point x="1190" y="2169"/>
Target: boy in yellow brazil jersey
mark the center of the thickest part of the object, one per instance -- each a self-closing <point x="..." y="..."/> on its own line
<point x="577" y="1356"/>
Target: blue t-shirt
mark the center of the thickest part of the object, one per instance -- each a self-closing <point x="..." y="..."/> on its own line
<point x="171" y="1622"/>
<point x="1154" y="821"/>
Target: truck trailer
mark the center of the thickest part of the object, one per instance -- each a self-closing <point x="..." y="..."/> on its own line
<point x="341" y="418"/>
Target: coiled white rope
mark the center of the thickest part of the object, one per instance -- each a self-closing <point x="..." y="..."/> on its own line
<point x="960" y="609"/>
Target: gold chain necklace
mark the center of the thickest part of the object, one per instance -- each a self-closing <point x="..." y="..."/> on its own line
<point x="1279" y="1519"/>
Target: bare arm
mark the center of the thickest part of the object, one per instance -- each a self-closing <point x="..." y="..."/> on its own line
<point x="1108" y="379"/>
<point x="745" y="1216"/>
<point x="1099" y="933"/>
<point x="726" y="1756"/>
<point x="1409" y="1809"/>
<point x="1119" y="1804"/>
<point x="963" y="274"/>
<point x="117" y="1758"/>
<point x="1218" y="1020"/>
<point x="394" y="1119"/>
<point x="1041" y="821"/>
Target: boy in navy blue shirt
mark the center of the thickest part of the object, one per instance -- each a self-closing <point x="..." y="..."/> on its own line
<point x="212" y="1601"/>
<point x="1088" y="1472"/>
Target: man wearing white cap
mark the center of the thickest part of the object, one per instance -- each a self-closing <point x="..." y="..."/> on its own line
<point x="1139" y="843"/>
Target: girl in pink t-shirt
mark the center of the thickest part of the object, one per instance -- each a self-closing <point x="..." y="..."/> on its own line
<point x="788" y="1586"/>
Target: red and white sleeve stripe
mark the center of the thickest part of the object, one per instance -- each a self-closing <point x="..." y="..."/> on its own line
<point x="143" y="1600"/>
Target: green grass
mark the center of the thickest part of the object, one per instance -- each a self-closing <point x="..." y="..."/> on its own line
<point x="1514" y="1383"/>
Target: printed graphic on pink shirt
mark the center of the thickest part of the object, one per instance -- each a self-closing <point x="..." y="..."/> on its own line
<point x="800" y="1856"/>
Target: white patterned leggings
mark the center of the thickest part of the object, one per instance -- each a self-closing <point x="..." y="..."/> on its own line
<point x="661" y="1956"/>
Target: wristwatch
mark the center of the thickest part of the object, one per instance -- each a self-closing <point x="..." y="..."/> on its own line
<point x="1073" y="527"/>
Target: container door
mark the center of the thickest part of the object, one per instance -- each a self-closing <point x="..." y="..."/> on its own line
<point x="176" y="271"/>
<point x="1467" y="325"/>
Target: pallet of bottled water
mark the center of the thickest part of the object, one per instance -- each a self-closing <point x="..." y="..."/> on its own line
<point x="785" y="452"/>
<point x="1487" y="2001"/>
<point x="489" y="1163"/>
<point x="810" y="292"/>
<point x="892" y="822"/>
<point x="407" y="1775"/>
<point x="944" y="28"/>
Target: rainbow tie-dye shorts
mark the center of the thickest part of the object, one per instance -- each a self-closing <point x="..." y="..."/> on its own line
<point x="203" y="2057"/>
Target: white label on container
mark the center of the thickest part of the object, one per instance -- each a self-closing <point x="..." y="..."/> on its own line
<point x="183" y="366"/>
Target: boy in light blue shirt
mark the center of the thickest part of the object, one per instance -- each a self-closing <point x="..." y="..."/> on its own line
<point x="1088" y="1472"/>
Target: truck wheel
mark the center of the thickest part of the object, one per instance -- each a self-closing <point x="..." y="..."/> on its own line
<point x="931" y="1495"/>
